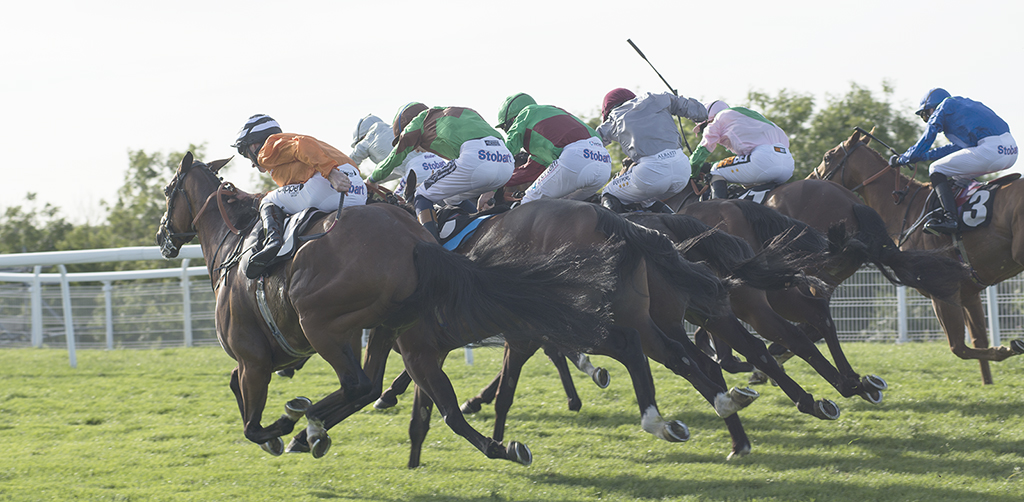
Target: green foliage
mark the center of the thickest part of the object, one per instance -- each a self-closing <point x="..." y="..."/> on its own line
<point x="163" y="425"/>
<point x="25" y="228"/>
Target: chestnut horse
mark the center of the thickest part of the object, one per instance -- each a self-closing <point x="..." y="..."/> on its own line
<point x="379" y="269"/>
<point x="994" y="252"/>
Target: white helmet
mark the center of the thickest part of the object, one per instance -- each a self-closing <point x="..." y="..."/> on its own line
<point x="715" y="107"/>
<point x="363" y="127"/>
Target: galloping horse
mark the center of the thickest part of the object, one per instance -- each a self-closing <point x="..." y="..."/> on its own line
<point x="927" y="270"/>
<point x="994" y="252"/>
<point x="380" y="269"/>
<point x="654" y="291"/>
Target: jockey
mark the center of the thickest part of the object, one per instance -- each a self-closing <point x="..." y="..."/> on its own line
<point x="309" y="172"/>
<point x="980" y="144"/>
<point x="566" y="157"/>
<point x="644" y="129"/>
<point x="373" y="139"/>
<point x="479" y="160"/>
<point x="760" y="148"/>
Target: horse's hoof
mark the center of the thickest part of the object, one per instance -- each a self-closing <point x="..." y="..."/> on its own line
<point x="288" y="373"/>
<point x="676" y="432"/>
<point x="470" y="407"/>
<point x="519" y="453"/>
<point x="274" y="447"/>
<point x="297" y="407"/>
<point x="297" y="446"/>
<point x="741" y="452"/>
<point x="743" y="395"/>
<point x="383" y="404"/>
<point x="873" y="396"/>
<point x="320" y="445"/>
<point x="757" y="377"/>
<point x="574" y="404"/>
<point x="783" y="357"/>
<point x="1017" y="346"/>
<point x="734" y="400"/>
<point x="603" y="379"/>
<point x="826" y="409"/>
<point x="875" y="382"/>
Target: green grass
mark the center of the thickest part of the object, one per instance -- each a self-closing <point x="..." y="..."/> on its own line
<point x="163" y="425"/>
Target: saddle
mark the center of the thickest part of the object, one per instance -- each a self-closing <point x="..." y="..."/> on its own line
<point x="456" y="225"/>
<point x="974" y="200"/>
<point x="294" y="226"/>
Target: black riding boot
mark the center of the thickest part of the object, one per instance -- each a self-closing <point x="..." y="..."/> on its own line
<point x="946" y="224"/>
<point x="660" y="207"/>
<point x="611" y="202"/>
<point x="272" y="217"/>
<point x="428" y="218"/>
<point x="719" y="189"/>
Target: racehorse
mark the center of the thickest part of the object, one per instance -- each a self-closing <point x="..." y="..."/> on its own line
<point x="994" y="252"/>
<point x="656" y="288"/>
<point x="353" y="278"/>
<point x="927" y="270"/>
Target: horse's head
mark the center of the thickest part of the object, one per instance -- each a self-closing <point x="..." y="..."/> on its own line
<point x="180" y="210"/>
<point x="847" y="163"/>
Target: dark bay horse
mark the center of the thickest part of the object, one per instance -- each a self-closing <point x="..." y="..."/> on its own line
<point x="995" y="252"/>
<point x="926" y="270"/>
<point x="656" y="289"/>
<point x="379" y="269"/>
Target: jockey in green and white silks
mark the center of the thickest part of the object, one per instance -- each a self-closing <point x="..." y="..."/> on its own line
<point x="760" y="148"/>
<point x="565" y="154"/>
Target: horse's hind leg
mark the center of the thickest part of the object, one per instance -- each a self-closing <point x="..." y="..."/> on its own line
<point x="422" y="364"/>
<point x="623" y="345"/>
<point x="419" y="425"/>
<point x="558" y="359"/>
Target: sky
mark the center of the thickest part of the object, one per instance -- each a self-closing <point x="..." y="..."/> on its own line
<point x="84" y="83"/>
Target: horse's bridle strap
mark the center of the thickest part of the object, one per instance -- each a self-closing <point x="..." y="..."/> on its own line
<point x="224" y="189"/>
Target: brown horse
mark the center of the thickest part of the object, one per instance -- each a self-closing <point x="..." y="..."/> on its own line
<point x="656" y="288"/>
<point x="380" y="269"/>
<point x="995" y="252"/>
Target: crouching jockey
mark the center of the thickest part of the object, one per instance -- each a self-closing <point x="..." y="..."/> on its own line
<point x="980" y="144"/>
<point x="761" y="149"/>
<point x="309" y="172"/>
<point x="565" y="155"/>
<point x="643" y="127"/>
<point x="478" y="159"/>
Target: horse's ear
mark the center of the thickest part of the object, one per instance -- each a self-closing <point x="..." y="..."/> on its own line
<point x="218" y="164"/>
<point x="186" y="162"/>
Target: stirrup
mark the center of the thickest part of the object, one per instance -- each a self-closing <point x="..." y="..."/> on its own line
<point x="943" y="226"/>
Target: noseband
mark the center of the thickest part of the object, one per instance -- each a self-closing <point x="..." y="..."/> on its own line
<point x="166" y="234"/>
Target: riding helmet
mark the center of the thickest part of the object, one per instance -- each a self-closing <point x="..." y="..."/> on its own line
<point x="511" y="108"/>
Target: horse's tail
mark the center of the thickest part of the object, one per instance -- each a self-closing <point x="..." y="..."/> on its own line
<point x="932" y="271"/>
<point x="706" y="292"/>
<point x="732" y="257"/>
<point x="519" y="294"/>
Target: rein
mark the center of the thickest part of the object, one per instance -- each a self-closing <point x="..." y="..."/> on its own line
<point x="898" y="194"/>
<point x="224" y="188"/>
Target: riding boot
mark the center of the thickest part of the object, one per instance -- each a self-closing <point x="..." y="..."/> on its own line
<point x="660" y="207"/>
<point x="272" y="218"/>
<point x="946" y="224"/>
<point x="428" y="218"/>
<point x="719" y="189"/>
<point x="611" y="202"/>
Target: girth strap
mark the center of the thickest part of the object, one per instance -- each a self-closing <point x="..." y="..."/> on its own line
<point x="261" y="300"/>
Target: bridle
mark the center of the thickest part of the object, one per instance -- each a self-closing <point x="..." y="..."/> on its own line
<point x="166" y="233"/>
<point x="898" y="194"/>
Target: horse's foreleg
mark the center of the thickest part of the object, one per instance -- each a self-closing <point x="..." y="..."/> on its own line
<point x="486" y="395"/>
<point x="952" y="318"/>
<point x="582" y="362"/>
<point x="426" y="372"/>
<point x="516" y="356"/>
<point x="975" y="317"/>
<point x="558" y="359"/>
<point x="249" y="384"/>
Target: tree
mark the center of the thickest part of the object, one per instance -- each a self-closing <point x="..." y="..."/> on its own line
<point x="25" y="229"/>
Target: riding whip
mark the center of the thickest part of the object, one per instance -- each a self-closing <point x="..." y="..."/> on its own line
<point x="682" y="132"/>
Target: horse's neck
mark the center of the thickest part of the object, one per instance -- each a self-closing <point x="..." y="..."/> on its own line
<point x="215" y="238"/>
<point x="898" y="216"/>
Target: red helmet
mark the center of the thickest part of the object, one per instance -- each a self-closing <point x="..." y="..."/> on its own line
<point x="404" y="117"/>
<point x="614" y="98"/>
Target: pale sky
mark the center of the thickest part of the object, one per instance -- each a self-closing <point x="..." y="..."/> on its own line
<point x="85" y="82"/>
